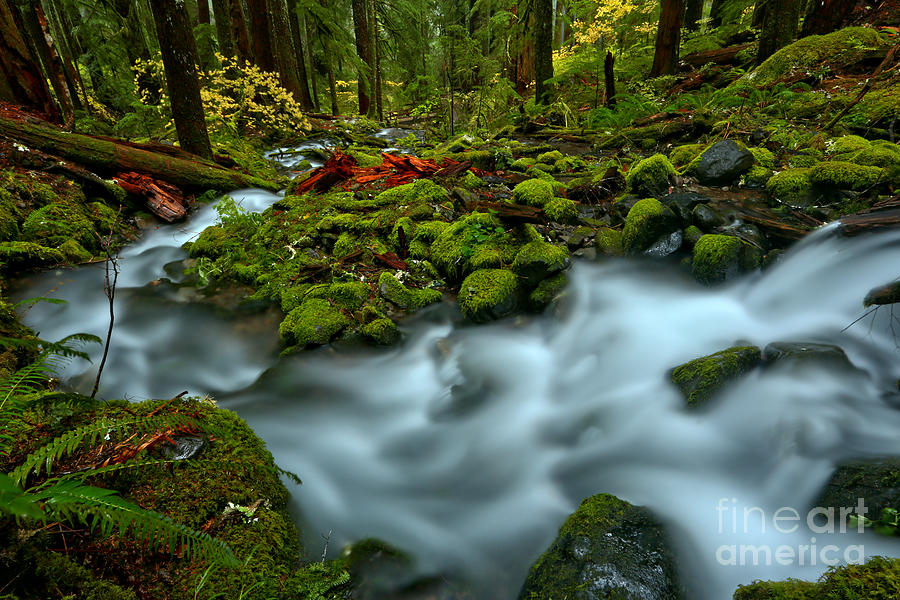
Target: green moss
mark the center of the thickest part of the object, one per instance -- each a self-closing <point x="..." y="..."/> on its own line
<point x="471" y="181"/>
<point x="646" y="222"/>
<point x="29" y="254"/>
<point x="877" y="579"/>
<point x="488" y="294"/>
<point x="477" y="235"/>
<point x="682" y="155"/>
<point x="757" y="177"/>
<point x="522" y="164"/>
<point x="74" y="252"/>
<point x="792" y="187"/>
<point x="381" y="332"/>
<point x="417" y="192"/>
<point x="9" y="217"/>
<point x="212" y="242"/>
<point x="609" y="242"/>
<point x="425" y="234"/>
<point x="692" y="235"/>
<point x="561" y="210"/>
<point x="533" y="192"/>
<point x="838" y="49"/>
<point x="315" y="322"/>
<point x="878" y="155"/>
<point x="365" y="160"/>
<point x="650" y="176"/>
<point x="550" y="157"/>
<point x="763" y="157"/>
<point x="536" y="261"/>
<point x="56" y="223"/>
<point x="803" y="160"/>
<point x="790" y="589"/>
<point x="701" y="378"/>
<point x="350" y="295"/>
<point x="844" y="175"/>
<point x="848" y="145"/>
<point x="547" y="291"/>
<point x="392" y="290"/>
<point x="878" y="107"/>
<point x="718" y="258"/>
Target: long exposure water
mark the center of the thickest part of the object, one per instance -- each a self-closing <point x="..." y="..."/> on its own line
<point x="468" y="446"/>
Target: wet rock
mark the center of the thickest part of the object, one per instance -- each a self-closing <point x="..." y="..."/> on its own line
<point x="607" y="549"/>
<point x="807" y="353"/>
<point x="883" y="294"/>
<point x="609" y="242"/>
<point x="700" y="379"/>
<point x="183" y="447"/>
<point x="647" y="223"/>
<point x="722" y="163"/>
<point x="537" y="261"/>
<point x="547" y="291"/>
<point x="683" y="204"/>
<point x="489" y="294"/>
<point x="706" y="218"/>
<point x="580" y="236"/>
<point x="718" y="258"/>
<point x="651" y="176"/>
<point x="665" y="245"/>
<point x="877" y="482"/>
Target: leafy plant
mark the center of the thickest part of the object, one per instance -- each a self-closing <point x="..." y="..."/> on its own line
<point x="887" y="523"/>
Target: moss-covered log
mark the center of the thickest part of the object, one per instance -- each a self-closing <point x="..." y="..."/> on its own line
<point x="109" y="157"/>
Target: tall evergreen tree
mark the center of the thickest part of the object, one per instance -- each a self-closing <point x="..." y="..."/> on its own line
<point x="779" y="26"/>
<point x="224" y="35"/>
<point x="543" y="50"/>
<point x="284" y="53"/>
<point x="693" y="12"/>
<point x="261" y="34"/>
<point x="179" y="55"/>
<point x="42" y="42"/>
<point x="297" y="33"/>
<point x="239" y="32"/>
<point x="825" y="16"/>
<point x="668" y="38"/>
<point x="21" y="80"/>
<point x="364" y="52"/>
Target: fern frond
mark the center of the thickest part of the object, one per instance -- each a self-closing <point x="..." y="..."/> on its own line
<point x="27" y="380"/>
<point x="104" y="509"/>
<point x="63" y="347"/>
<point x="43" y="458"/>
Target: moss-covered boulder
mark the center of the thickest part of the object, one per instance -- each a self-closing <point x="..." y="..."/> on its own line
<point x="537" y="261"/>
<point x="700" y="379"/>
<point x="313" y="323"/>
<point x="381" y="332"/>
<point x="55" y="223"/>
<point x="28" y="254"/>
<point x="548" y="291"/>
<point x="757" y="177"/>
<point x="533" y="192"/>
<point x="718" y="258"/>
<point x="876" y="481"/>
<point x="647" y="222"/>
<point x="879" y="154"/>
<point x="477" y="241"/>
<point x="489" y="294"/>
<point x="608" y="242"/>
<point x="877" y="579"/>
<point x="792" y="187"/>
<point x="721" y="164"/>
<point x="681" y="156"/>
<point x="561" y="210"/>
<point x="391" y="289"/>
<point x="651" y="176"/>
<point x="606" y="550"/>
<point x="842" y="175"/>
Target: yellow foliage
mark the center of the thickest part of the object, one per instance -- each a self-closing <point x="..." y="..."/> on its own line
<point x="609" y="18"/>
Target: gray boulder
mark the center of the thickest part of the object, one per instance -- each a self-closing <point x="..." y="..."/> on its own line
<point x="722" y="163"/>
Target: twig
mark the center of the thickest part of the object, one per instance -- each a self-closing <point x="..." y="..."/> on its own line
<point x="327" y="538"/>
<point x="109" y="288"/>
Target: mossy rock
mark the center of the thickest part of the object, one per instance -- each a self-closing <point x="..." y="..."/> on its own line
<point x="489" y="294"/>
<point x="845" y="176"/>
<point x="533" y="192"/>
<point x="56" y="223"/>
<point x="74" y="252"/>
<point x="550" y="157"/>
<point x="313" y="323"/>
<point x="691" y="236"/>
<point x="547" y="291"/>
<point x="647" y="222"/>
<point x="606" y="550"/>
<point x="381" y="332"/>
<point x="561" y="210"/>
<point x="478" y="240"/>
<point x="418" y="192"/>
<point x="838" y="49"/>
<point x="700" y="379"/>
<point x="405" y="298"/>
<point x="757" y="177"/>
<point x="537" y="261"/>
<point x="792" y="187"/>
<point x="877" y="579"/>
<point x="718" y="258"/>
<point x="763" y="157"/>
<point x="876" y="481"/>
<point x="878" y="155"/>
<point x="681" y="156"/>
<point x="609" y="242"/>
<point x="29" y="254"/>
<point x="651" y="176"/>
<point x="848" y="145"/>
<point x="349" y="295"/>
<point x="522" y="164"/>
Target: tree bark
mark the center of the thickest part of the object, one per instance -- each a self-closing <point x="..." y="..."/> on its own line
<point x="24" y="83"/>
<point x="375" y="65"/>
<point x="239" y="31"/>
<point x="693" y="12"/>
<point x="109" y="157"/>
<point x="825" y="16"/>
<point x="610" y="77"/>
<point x="668" y="38"/>
<point x="307" y="31"/>
<point x="223" y="28"/>
<point x="203" y="12"/>
<point x="779" y="27"/>
<point x="261" y="34"/>
<point x="543" y="50"/>
<point x="72" y="76"/>
<point x="36" y="25"/>
<point x="179" y="55"/>
<point x="305" y="99"/>
<point x="364" y="52"/>
<point x="715" y="13"/>
<point x="285" y="53"/>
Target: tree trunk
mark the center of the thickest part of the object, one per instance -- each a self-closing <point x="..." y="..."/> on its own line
<point x="23" y="83"/>
<point x="179" y="55"/>
<point x="372" y="26"/>
<point x="610" y="77"/>
<point x="203" y="12"/>
<point x="668" y="38"/>
<point x="285" y="54"/>
<point x="759" y="13"/>
<point x="36" y="26"/>
<point x="239" y="31"/>
<point x="306" y="102"/>
<point x="363" y="51"/>
<point x="715" y="13"/>
<point x="779" y="27"/>
<point x="72" y="76"/>
<point x="307" y="30"/>
<point x="261" y="34"/>
<point x="825" y="16"/>
<point x="109" y="157"/>
<point x="223" y="28"/>
<point x="543" y="50"/>
<point x="693" y="12"/>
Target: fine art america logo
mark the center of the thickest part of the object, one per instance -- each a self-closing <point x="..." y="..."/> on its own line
<point x="734" y="519"/>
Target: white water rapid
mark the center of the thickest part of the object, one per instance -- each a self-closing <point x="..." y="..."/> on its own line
<point x="468" y="446"/>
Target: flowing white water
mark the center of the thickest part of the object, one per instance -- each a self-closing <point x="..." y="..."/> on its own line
<point x="468" y="446"/>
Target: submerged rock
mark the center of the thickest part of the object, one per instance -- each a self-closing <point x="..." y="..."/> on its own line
<point x="700" y="379"/>
<point x="722" y="163"/>
<point x="607" y="549"/>
<point x="877" y="482"/>
<point x="806" y="353"/>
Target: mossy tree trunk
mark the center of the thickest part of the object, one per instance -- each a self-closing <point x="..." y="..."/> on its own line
<point x="306" y="102"/>
<point x="364" y="52"/>
<point x="36" y="26"/>
<point x="285" y="53"/>
<point x="223" y="28"/>
<point x="108" y="157"/>
<point x="22" y="81"/>
<point x="242" y="45"/>
<point x="260" y="34"/>
<point x="543" y="50"/>
<point x="668" y="38"/>
<point x="779" y="26"/>
<point x="179" y="55"/>
<point x="610" y="77"/>
<point x="693" y="12"/>
<point x="825" y="16"/>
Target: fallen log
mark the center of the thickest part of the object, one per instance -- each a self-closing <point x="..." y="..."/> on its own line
<point x="510" y="213"/>
<point x="164" y="199"/>
<point x="719" y="56"/>
<point x="852" y="225"/>
<point x="108" y="157"/>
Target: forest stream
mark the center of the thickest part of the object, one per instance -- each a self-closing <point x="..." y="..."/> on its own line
<point x="467" y="446"/>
